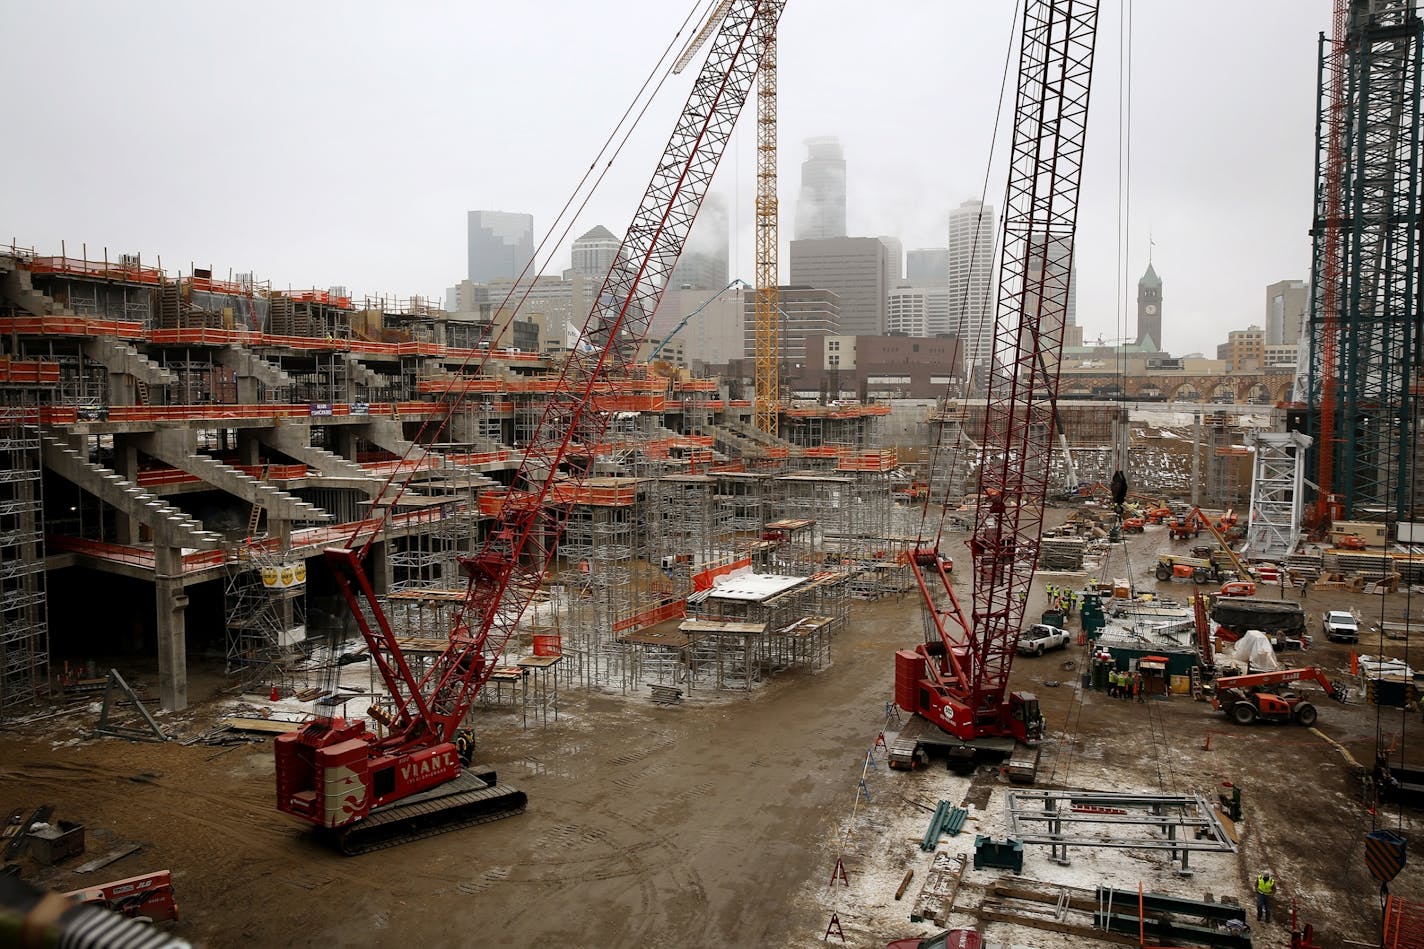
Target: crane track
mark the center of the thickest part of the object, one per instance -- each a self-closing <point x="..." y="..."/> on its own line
<point x="494" y="803"/>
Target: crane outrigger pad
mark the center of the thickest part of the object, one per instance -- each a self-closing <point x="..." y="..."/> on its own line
<point x="475" y="797"/>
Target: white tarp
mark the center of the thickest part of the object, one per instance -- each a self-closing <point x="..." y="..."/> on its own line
<point x="1255" y="652"/>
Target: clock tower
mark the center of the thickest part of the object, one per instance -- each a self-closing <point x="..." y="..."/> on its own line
<point x="1149" y="310"/>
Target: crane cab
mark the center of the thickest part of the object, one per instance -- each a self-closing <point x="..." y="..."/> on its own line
<point x="1025" y="717"/>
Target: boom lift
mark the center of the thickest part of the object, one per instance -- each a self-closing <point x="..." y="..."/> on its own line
<point x="372" y="791"/>
<point x="1195" y="521"/>
<point x="956" y="681"/>
<point x="1258" y="696"/>
<point x="682" y="323"/>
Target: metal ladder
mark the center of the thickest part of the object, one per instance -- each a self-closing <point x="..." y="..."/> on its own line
<point x="255" y="517"/>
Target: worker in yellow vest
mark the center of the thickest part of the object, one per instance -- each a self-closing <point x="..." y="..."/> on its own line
<point x="1265" y="888"/>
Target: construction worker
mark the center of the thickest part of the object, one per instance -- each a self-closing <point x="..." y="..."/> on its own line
<point x="1265" y="888"/>
<point x="1138" y="691"/>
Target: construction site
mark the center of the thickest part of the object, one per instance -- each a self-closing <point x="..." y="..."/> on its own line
<point x="593" y="652"/>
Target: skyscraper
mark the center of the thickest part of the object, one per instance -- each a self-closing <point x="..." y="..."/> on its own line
<point x="972" y="226"/>
<point x="593" y="254"/>
<point x="854" y="267"/>
<point x="704" y="259"/>
<point x="894" y="259"/>
<point x="908" y="311"/>
<point x="927" y="267"/>
<point x="821" y="205"/>
<point x="501" y="244"/>
<point x="1285" y="306"/>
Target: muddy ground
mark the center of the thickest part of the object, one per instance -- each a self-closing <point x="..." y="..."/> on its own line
<point x="710" y="824"/>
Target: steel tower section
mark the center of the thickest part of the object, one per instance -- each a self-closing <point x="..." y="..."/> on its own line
<point x="1277" y="495"/>
<point x="767" y="357"/>
<point x="1377" y="341"/>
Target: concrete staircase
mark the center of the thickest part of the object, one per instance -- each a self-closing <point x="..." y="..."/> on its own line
<point x="736" y="444"/>
<point x="363" y="376"/>
<point x="171" y="527"/>
<point x="248" y="365"/>
<point x="21" y="292"/>
<point x="169" y="448"/>
<point x="295" y="442"/>
<point x="120" y="358"/>
<point x="386" y="434"/>
<point x="751" y="432"/>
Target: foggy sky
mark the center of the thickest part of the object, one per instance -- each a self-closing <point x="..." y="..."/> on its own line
<point x="324" y="143"/>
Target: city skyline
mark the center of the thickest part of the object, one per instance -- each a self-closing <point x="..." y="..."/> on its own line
<point x="391" y="217"/>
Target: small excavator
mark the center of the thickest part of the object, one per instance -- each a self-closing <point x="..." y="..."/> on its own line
<point x="1259" y="696"/>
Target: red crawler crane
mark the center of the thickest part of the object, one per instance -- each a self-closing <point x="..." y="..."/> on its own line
<point x="415" y="781"/>
<point x="958" y="678"/>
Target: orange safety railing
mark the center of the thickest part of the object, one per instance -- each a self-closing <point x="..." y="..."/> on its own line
<point x="1403" y="924"/>
<point x="323" y="297"/>
<point x="593" y="495"/>
<point x="879" y="460"/>
<point x="227" y="287"/>
<point x="136" y="556"/>
<point x="481" y="457"/>
<point x="29" y="371"/>
<point x="156" y="477"/>
<point x="261" y="410"/>
<point x="406" y="466"/>
<point x="463" y="384"/>
<point x="629" y="403"/>
<point x="658" y="614"/>
<point x="70" y="326"/>
<point x="705" y="579"/>
<point x="103" y="269"/>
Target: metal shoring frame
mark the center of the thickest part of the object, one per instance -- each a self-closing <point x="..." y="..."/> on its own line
<point x="1027" y="806"/>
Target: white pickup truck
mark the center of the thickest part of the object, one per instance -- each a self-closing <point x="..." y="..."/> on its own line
<point x="1340" y="626"/>
<point x="1041" y="637"/>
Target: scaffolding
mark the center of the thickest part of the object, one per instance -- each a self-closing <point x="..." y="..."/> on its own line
<point x="24" y="628"/>
<point x="597" y="551"/>
<point x="265" y="594"/>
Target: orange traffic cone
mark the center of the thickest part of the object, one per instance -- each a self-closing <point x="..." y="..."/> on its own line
<point x="275" y="696"/>
<point x="1354" y="663"/>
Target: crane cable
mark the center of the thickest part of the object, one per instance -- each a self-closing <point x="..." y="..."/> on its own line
<point x="957" y="455"/>
<point x="1124" y="172"/>
<point x="420" y="447"/>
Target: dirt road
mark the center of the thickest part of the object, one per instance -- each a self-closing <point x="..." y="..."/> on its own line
<point x="647" y="825"/>
<point x="695" y="825"/>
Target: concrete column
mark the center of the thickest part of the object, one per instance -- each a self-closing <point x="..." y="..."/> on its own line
<point x="378" y="567"/>
<point x="281" y="529"/>
<point x="172" y="602"/>
<point x="248" y="447"/>
<point x="126" y="526"/>
<point x="247" y="388"/>
<point x="121" y="389"/>
<point x="341" y="439"/>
